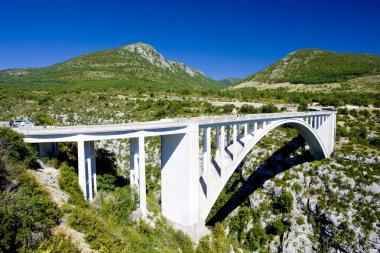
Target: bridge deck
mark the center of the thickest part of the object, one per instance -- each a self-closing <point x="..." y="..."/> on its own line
<point x="160" y="124"/>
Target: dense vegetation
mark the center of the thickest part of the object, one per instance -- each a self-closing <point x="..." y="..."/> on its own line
<point x="27" y="213"/>
<point x="136" y="65"/>
<point x="312" y="66"/>
<point x="327" y="204"/>
<point x="229" y="81"/>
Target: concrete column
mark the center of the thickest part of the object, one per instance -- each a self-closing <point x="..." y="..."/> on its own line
<point x="206" y="148"/>
<point x="255" y="127"/>
<point x="264" y="124"/>
<point x="82" y="169"/>
<point x="217" y="140"/>
<point x="315" y="122"/>
<point x="93" y="167"/>
<point x="180" y="185"/>
<point x="87" y="168"/>
<point x="221" y="147"/>
<point x="245" y="129"/>
<point x="133" y="160"/>
<point x="137" y="170"/>
<point x="142" y="183"/>
<point x="307" y="120"/>
<point x="228" y="135"/>
<point x="234" y="141"/>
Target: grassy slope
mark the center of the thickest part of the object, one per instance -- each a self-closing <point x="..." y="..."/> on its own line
<point x="310" y="66"/>
<point x="230" y="81"/>
<point x="119" y="66"/>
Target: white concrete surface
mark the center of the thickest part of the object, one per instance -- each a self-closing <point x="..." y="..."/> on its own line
<point x="187" y="193"/>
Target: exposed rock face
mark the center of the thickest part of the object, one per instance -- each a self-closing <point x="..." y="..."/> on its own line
<point x="151" y="55"/>
<point x="331" y="210"/>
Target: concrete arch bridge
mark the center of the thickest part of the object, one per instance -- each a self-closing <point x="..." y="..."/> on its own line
<point x="192" y="176"/>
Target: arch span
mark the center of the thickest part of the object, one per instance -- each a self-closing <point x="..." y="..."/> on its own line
<point x="310" y="135"/>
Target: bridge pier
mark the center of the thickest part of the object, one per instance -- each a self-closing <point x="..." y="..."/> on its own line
<point x="234" y="141"/>
<point x="87" y="168"/>
<point x="206" y="148"/>
<point x="180" y="187"/>
<point x="137" y="170"/>
<point x="187" y="195"/>
<point x="228" y="135"/>
<point x="221" y="147"/>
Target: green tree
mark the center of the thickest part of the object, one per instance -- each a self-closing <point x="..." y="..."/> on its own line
<point x="68" y="182"/>
<point x="303" y="107"/>
<point x="247" y="109"/>
<point x="284" y="202"/>
<point x="12" y="146"/>
<point x="276" y="228"/>
<point x="228" y="108"/>
<point x="42" y="119"/>
<point x="256" y="237"/>
<point x="269" y="108"/>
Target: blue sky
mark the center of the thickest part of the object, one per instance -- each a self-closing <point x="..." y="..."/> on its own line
<point x="221" y="38"/>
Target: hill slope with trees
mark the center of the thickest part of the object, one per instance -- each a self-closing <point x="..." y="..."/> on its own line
<point x="135" y="65"/>
<point x="314" y="66"/>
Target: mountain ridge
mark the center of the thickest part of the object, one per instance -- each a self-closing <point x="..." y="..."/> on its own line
<point x="136" y="63"/>
<point x="313" y="66"/>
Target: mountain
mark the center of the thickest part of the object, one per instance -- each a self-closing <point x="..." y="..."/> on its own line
<point x="314" y="66"/>
<point x="230" y="81"/>
<point x="133" y="65"/>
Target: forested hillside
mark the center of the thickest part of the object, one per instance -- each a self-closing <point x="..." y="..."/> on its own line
<point x="133" y="66"/>
<point x="314" y="66"/>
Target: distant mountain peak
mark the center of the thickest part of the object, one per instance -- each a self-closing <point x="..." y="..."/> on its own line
<point x="151" y="55"/>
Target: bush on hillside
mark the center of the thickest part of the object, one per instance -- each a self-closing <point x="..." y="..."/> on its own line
<point x="12" y="146"/>
<point x="284" y="203"/>
<point x="68" y="182"/>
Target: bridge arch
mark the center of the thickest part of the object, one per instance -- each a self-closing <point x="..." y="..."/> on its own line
<point x="310" y="135"/>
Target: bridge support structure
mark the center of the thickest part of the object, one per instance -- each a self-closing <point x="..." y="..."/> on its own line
<point x="137" y="171"/>
<point x="87" y="168"/>
<point x="180" y="185"/>
<point x="189" y="185"/>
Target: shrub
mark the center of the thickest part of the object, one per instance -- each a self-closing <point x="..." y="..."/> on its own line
<point x="343" y="111"/>
<point x="375" y="142"/>
<point x="26" y="213"/>
<point x="256" y="237"/>
<point x="300" y="221"/>
<point x="42" y="119"/>
<point x="228" y="108"/>
<point x="269" y="108"/>
<point x="119" y="203"/>
<point x="106" y="182"/>
<point x="247" y="109"/>
<point x="58" y="243"/>
<point x="68" y="182"/>
<point x="238" y="223"/>
<point x="303" y="107"/>
<point x="276" y="228"/>
<point x="284" y="203"/>
<point x="12" y="146"/>
<point x="341" y="131"/>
